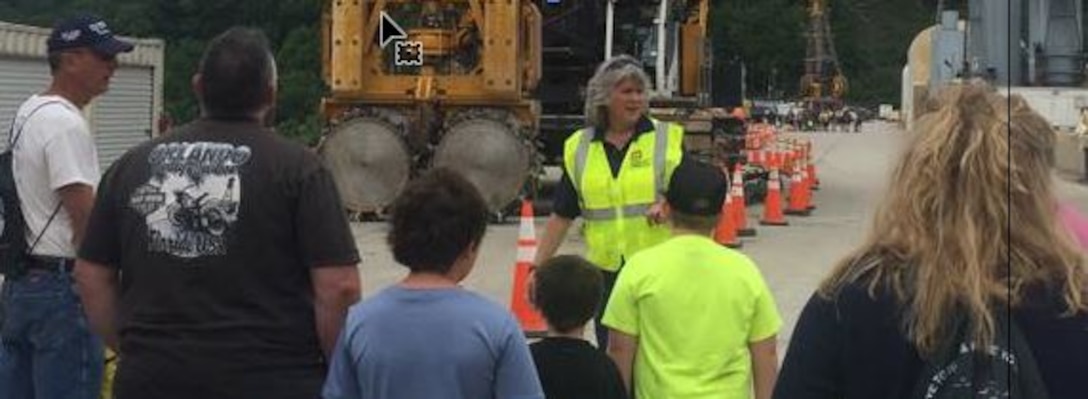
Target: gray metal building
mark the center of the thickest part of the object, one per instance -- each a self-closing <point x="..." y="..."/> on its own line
<point x="123" y="117"/>
<point x="1027" y="42"/>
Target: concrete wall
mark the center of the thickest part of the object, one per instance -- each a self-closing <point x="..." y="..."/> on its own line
<point x="1062" y="106"/>
<point x="1059" y="105"/>
<point x="1069" y="154"/>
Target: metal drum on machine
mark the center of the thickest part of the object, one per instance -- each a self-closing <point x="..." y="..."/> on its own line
<point x="491" y="149"/>
<point x="368" y="159"/>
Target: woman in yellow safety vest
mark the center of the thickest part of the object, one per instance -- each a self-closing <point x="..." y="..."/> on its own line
<point x="615" y="172"/>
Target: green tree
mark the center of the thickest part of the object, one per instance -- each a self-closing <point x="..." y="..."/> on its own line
<point x="872" y="37"/>
<point x="182" y="56"/>
<point x="300" y="85"/>
<point x="767" y="36"/>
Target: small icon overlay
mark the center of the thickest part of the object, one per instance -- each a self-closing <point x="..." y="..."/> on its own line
<point x="408" y="53"/>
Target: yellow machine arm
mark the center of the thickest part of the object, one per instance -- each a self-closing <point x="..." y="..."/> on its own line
<point x="504" y="36"/>
<point x="693" y="51"/>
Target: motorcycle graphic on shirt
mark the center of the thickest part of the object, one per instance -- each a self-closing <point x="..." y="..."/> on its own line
<point x="201" y="214"/>
<point x="192" y="199"/>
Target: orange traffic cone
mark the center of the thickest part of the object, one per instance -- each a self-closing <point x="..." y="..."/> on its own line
<point x="772" y="202"/>
<point x="806" y="193"/>
<point x="814" y="183"/>
<point x="790" y="156"/>
<point x="795" y="152"/>
<point x="740" y="209"/>
<point x="757" y="158"/>
<point x="797" y="205"/>
<point x="530" y="320"/>
<point x="726" y="232"/>
<point x="806" y="184"/>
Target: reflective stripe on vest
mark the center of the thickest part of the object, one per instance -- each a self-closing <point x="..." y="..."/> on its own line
<point x="612" y="213"/>
<point x="660" y="143"/>
<point x="661" y="140"/>
<point x="580" y="156"/>
<point x="614" y="205"/>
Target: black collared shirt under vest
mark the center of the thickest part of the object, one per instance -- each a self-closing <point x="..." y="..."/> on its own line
<point x="566" y="203"/>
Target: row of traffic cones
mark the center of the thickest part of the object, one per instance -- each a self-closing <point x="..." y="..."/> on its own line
<point x="733" y="222"/>
<point x="758" y="135"/>
<point x="796" y="152"/>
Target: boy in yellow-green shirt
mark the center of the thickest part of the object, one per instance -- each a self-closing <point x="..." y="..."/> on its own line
<point x="690" y="318"/>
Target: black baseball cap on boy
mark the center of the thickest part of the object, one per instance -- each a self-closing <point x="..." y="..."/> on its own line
<point x="697" y="188"/>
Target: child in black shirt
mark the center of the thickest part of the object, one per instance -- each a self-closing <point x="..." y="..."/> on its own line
<point x="567" y="289"/>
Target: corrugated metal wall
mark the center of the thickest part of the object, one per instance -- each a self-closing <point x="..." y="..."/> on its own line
<point x="19" y="78"/>
<point x="123" y="117"/>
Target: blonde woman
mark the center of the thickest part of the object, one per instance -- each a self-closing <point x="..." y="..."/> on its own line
<point x="967" y="232"/>
<point x="615" y="172"/>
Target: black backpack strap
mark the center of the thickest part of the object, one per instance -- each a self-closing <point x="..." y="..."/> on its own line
<point x="13" y="137"/>
<point x="30" y="251"/>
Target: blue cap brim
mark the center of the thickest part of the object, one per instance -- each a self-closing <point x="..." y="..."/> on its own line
<point x="113" y="47"/>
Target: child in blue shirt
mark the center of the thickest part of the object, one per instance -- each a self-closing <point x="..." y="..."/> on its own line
<point x="426" y="337"/>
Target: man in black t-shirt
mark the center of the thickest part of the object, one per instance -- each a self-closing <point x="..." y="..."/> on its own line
<point x="567" y="290"/>
<point x="218" y="260"/>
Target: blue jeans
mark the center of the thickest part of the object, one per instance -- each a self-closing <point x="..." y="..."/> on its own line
<point x="48" y="351"/>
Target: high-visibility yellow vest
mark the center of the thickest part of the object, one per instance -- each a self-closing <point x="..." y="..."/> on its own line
<point x="614" y="208"/>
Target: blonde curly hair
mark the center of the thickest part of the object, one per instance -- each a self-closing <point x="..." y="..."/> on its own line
<point x="970" y="220"/>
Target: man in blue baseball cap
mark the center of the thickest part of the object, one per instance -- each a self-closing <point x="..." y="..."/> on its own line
<point x="48" y="351"/>
<point x="91" y="49"/>
<point x="86" y="30"/>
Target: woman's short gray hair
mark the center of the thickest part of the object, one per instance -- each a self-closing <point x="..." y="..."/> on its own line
<point x="599" y="90"/>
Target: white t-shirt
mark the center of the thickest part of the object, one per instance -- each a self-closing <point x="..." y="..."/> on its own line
<point x="54" y="150"/>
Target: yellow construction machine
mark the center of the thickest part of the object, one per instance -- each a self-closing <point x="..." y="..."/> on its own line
<point x="493" y="88"/>
<point x="416" y="84"/>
